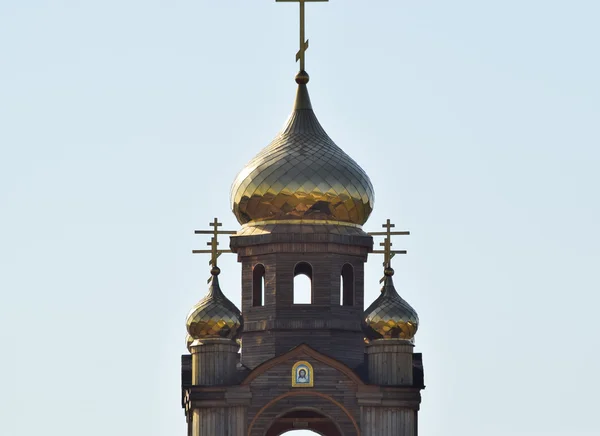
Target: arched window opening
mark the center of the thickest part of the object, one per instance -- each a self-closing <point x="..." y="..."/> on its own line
<point x="258" y="285"/>
<point x="347" y="286"/>
<point x="303" y="283"/>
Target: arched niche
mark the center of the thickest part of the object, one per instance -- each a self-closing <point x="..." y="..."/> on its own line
<point x="347" y="285"/>
<point x="303" y="289"/>
<point x="258" y="285"/>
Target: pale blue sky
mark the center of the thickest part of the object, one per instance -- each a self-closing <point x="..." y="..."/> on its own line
<point x="123" y="124"/>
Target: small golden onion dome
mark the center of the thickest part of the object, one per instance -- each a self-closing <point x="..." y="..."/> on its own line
<point x="303" y="175"/>
<point x="214" y="316"/>
<point x="390" y="317"/>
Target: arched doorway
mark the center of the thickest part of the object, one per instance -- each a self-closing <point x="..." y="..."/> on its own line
<point x="305" y="409"/>
<point x="303" y="423"/>
<point x="300" y="433"/>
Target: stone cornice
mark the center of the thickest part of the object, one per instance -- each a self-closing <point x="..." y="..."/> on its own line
<point x="296" y="241"/>
<point x="302" y="324"/>
<point x="404" y="397"/>
<point x="221" y="396"/>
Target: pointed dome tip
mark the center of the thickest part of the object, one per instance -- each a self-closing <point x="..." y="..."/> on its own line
<point x="302" y="97"/>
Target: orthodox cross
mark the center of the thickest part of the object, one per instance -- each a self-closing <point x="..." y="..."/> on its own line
<point x="303" y="42"/>
<point x="214" y="243"/>
<point x="387" y="251"/>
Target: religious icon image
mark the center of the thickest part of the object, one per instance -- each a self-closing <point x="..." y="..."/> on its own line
<point x="302" y="375"/>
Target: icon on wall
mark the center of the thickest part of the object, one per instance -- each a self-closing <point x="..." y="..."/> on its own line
<point x="302" y="375"/>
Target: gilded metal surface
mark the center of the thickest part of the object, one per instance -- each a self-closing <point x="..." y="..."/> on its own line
<point x="390" y="317"/>
<point x="214" y="316"/>
<point x="301" y="221"/>
<point x="302" y="174"/>
<point x="188" y="342"/>
<point x="300" y="226"/>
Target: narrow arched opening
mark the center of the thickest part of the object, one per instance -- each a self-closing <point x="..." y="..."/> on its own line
<point x="303" y="275"/>
<point x="258" y="285"/>
<point x="347" y="285"/>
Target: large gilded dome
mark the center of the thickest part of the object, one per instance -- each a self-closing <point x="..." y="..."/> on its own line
<point x="302" y="175"/>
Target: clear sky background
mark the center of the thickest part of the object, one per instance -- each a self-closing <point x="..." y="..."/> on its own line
<point x="123" y="124"/>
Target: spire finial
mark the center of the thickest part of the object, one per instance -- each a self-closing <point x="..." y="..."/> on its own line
<point x="387" y="245"/>
<point x="214" y="245"/>
<point x="302" y="77"/>
<point x="387" y="251"/>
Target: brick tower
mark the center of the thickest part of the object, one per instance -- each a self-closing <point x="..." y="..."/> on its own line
<point x="326" y="365"/>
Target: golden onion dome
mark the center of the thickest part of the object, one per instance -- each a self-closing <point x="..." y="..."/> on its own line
<point x="214" y="316"/>
<point x="390" y="317"/>
<point x="302" y="175"/>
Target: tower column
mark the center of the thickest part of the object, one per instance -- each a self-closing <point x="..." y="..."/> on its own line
<point x="219" y="421"/>
<point x="386" y="421"/>
<point x="390" y="362"/>
<point x="214" y="362"/>
<point x="390" y="325"/>
<point x="214" y="403"/>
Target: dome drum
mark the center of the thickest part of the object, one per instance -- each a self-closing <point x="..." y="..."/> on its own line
<point x="305" y="236"/>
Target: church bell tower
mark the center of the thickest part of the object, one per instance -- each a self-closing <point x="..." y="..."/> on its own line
<point x="327" y="365"/>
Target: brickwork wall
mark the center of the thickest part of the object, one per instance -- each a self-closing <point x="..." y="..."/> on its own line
<point x="277" y="381"/>
<point x="325" y="324"/>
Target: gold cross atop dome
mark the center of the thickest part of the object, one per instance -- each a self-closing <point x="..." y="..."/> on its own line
<point x="303" y="42"/>
<point x="387" y="251"/>
<point x="214" y="244"/>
